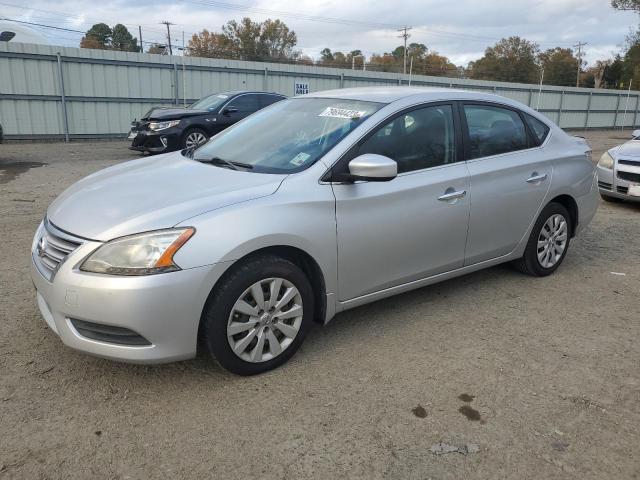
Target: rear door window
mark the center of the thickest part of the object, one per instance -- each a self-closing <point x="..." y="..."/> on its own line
<point x="245" y="104"/>
<point x="266" y="100"/>
<point x="539" y="129"/>
<point x="494" y="130"/>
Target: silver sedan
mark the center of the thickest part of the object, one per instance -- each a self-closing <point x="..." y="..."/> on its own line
<point x="307" y="208"/>
<point x="619" y="171"/>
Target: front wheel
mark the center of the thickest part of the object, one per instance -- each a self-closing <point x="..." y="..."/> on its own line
<point x="194" y="138"/>
<point x="258" y="315"/>
<point x="548" y="243"/>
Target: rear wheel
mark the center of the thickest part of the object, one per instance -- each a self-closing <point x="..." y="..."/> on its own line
<point x="548" y="243"/>
<point x="258" y="315"/>
<point x="194" y="138"/>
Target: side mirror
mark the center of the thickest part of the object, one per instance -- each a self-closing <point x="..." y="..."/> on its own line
<point x="374" y="168"/>
<point x="635" y="134"/>
<point x="229" y="110"/>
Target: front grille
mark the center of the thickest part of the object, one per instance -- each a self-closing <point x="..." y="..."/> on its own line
<point x="629" y="176"/>
<point x="108" y="333"/>
<point x="635" y="163"/>
<point x="52" y="248"/>
<point x="604" y="185"/>
<point x="623" y="190"/>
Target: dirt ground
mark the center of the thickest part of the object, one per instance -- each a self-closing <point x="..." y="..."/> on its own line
<point x="529" y="378"/>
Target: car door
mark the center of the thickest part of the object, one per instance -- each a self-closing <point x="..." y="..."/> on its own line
<point x="415" y="225"/>
<point x="509" y="178"/>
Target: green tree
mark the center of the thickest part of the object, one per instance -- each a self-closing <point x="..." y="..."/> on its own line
<point x="102" y="37"/>
<point x="560" y="66"/>
<point x="268" y="40"/>
<point x="121" y="39"/>
<point x="512" y="59"/>
<point x="326" y="56"/>
<point x="97" y="37"/>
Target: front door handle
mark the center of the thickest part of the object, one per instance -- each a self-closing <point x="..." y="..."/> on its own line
<point x="452" y="195"/>
<point x="535" y="178"/>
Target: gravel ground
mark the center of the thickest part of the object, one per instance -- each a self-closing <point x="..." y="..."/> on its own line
<point x="522" y="377"/>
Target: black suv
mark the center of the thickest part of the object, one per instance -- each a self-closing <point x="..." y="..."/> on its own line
<point x="164" y="129"/>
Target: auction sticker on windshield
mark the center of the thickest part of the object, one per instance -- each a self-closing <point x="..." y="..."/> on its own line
<point x="299" y="159"/>
<point x="341" y="113"/>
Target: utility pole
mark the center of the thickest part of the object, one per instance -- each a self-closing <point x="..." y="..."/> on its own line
<point x="140" y="35"/>
<point x="579" y="47"/>
<point x="405" y="35"/>
<point x="167" y="23"/>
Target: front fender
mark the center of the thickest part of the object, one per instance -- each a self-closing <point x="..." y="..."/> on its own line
<point x="282" y="219"/>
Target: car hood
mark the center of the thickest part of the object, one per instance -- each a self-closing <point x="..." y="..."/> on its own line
<point x="152" y="193"/>
<point x="172" y="113"/>
<point x="629" y="149"/>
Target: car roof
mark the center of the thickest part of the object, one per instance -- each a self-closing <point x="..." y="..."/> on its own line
<point x="232" y="93"/>
<point x="392" y="94"/>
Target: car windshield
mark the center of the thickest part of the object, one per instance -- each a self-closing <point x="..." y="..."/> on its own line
<point x="288" y="136"/>
<point x="211" y="102"/>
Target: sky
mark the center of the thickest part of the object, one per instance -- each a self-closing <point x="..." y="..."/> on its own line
<point x="460" y="30"/>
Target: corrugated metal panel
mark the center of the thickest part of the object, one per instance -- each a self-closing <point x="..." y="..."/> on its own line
<point x="105" y="90"/>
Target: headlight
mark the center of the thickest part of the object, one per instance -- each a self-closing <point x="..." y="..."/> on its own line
<point x="606" y="161"/>
<point x="142" y="254"/>
<point x="163" y="125"/>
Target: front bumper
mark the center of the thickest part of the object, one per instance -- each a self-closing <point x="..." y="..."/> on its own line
<point x="611" y="185"/>
<point x="155" y="142"/>
<point x="165" y="309"/>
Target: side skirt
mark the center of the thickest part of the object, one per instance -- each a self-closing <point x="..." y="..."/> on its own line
<point x="406" y="287"/>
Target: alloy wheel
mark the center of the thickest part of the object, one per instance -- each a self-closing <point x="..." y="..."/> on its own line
<point x="552" y="241"/>
<point x="265" y="320"/>
<point x="194" y="139"/>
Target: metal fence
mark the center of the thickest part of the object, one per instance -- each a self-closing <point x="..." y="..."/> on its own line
<point x="61" y="92"/>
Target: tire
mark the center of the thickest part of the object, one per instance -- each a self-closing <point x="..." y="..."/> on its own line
<point x="237" y="285"/>
<point x="530" y="262"/>
<point x="607" y="198"/>
<point x="191" y="134"/>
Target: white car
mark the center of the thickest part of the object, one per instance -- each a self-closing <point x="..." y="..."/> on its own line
<point x="619" y="171"/>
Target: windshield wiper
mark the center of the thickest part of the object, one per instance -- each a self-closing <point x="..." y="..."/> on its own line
<point x="228" y="163"/>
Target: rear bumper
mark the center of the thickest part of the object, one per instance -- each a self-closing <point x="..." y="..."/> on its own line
<point x="165" y="309"/>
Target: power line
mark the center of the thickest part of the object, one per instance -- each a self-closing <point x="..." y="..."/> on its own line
<point x="82" y="32"/>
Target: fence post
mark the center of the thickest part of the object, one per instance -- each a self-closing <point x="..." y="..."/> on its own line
<point x="530" y="97"/>
<point x="615" y="118"/>
<point x="265" y="80"/>
<point x="560" y="109"/>
<point x="63" y="98"/>
<point x="635" y="114"/>
<point x="586" y="119"/>
<point x="342" y="80"/>
<point x="176" y="87"/>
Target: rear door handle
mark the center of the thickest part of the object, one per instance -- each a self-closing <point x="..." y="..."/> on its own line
<point x="452" y="195"/>
<point x="535" y="178"/>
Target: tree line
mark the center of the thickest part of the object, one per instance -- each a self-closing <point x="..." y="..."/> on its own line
<point x="511" y="59"/>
